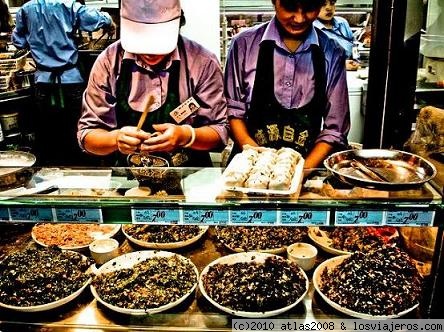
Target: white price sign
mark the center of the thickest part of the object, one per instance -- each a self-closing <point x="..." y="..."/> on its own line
<point x="82" y="215"/>
<point x="31" y="214"/>
<point x="155" y="216"/>
<point x="412" y="218"/>
<point x="359" y="217"/>
<point x="205" y="216"/>
<point x="254" y="217"/>
<point x="311" y="217"/>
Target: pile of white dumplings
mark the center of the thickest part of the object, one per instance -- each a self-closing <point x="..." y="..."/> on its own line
<point x="263" y="168"/>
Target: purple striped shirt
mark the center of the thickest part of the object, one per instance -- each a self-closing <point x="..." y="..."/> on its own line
<point x="206" y="83"/>
<point x="293" y="77"/>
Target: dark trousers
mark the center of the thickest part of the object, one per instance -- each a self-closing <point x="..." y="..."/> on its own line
<point x="56" y="125"/>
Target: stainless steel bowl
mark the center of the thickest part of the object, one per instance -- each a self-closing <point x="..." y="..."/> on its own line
<point x="154" y="172"/>
<point x="15" y="169"/>
<point x="380" y="169"/>
<point x="147" y="168"/>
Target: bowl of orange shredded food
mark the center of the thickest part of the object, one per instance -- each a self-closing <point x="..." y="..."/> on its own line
<point x="71" y="236"/>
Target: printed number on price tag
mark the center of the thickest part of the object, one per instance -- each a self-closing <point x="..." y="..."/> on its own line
<point x="31" y="214"/>
<point x="254" y="217"/>
<point x="416" y="218"/>
<point x="359" y="217"/>
<point x="314" y="217"/>
<point x="205" y="216"/>
<point x="83" y="215"/>
<point x="155" y="216"/>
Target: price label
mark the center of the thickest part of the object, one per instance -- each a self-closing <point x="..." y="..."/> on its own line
<point x="82" y="215"/>
<point x="157" y="216"/>
<point x="302" y="217"/>
<point x="254" y="217"/>
<point x="205" y="216"/>
<point x="414" y="218"/>
<point x="359" y="217"/>
<point x="4" y="214"/>
<point x="31" y="214"/>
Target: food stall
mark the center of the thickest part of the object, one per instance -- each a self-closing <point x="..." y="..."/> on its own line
<point x="189" y="224"/>
<point x="198" y="219"/>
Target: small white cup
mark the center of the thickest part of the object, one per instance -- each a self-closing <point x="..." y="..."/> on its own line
<point x="303" y="254"/>
<point x="103" y="250"/>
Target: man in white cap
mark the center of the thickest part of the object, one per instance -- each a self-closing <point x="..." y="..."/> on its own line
<point x="153" y="62"/>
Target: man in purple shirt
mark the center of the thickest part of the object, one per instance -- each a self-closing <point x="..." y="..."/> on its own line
<point x="153" y="60"/>
<point x="285" y="84"/>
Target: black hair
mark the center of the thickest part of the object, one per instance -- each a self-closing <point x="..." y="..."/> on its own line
<point x="183" y="20"/>
<point x="306" y="5"/>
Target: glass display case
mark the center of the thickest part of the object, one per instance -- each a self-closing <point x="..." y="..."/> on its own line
<point x="188" y="197"/>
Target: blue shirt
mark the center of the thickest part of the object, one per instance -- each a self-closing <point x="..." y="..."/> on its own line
<point x="293" y="77"/>
<point x="340" y="32"/>
<point x="47" y="27"/>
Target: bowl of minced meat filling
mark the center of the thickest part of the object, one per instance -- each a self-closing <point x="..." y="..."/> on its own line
<point x="253" y="284"/>
<point x="382" y="283"/>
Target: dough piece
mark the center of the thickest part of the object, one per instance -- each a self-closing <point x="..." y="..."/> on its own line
<point x="257" y="181"/>
<point x="280" y="182"/>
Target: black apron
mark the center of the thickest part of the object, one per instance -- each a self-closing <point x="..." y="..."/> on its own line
<point x="126" y="116"/>
<point x="55" y="79"/>
<point x="272" y="125"/>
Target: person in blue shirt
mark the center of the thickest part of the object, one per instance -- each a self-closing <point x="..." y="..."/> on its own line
<point x="48" y="29"/>
<point x="338" y="28"/>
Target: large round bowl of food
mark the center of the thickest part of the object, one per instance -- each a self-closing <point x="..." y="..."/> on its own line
<point x="379" y="284"/>
<point x="253" y="284"/>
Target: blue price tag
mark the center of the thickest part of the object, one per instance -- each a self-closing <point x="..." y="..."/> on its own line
<point x="4" y="214"/>
<point x="82" y="215"/>
<point x="254" y="217"/>
<point x="31" y="214"/>
<point x="156" y="216"/>
<point x="411" y="218"/>
<point x="301" y="217"/>
<point x="359" y="217"/>
<point x="205" y="216"/>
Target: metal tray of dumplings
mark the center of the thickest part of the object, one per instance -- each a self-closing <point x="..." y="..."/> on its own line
<point x="380" y="169"/>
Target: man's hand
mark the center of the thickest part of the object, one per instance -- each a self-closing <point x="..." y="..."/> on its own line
<point x="168" y="138"/>
<point x="352" y="65"/>
<point x="129" y="139"/>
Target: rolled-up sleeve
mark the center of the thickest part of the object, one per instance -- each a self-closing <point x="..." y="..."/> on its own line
<point x="98" y="107"/>
<point x="90" y="19"/>
<point x="209" y="91"/>
<point x="236" y="96"/>
<point x="337" y="119"/>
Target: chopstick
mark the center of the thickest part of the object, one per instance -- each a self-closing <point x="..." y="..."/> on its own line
<point x="145" y="112"/>
<point x="367" y="171"/>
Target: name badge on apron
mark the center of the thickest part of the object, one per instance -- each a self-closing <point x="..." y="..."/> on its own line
<point x="184" y="110"/>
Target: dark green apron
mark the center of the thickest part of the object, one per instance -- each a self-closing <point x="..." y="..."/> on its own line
<point x="126" y="116"/>
<point x="272" y="125"/>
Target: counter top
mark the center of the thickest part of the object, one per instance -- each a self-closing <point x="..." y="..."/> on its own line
<point x="195" y="314"/>
<point x="115" y="196"/>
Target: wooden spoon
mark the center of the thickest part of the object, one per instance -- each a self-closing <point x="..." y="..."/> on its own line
<point x="145" y="112"/>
